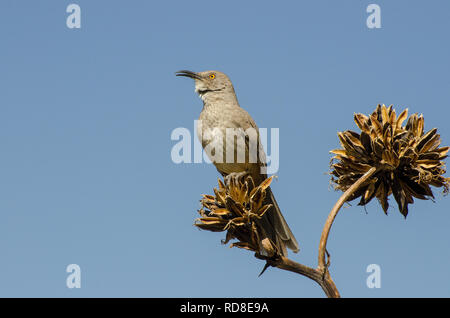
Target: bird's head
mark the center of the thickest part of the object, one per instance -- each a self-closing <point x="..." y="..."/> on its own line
<point x="209" y="82"/>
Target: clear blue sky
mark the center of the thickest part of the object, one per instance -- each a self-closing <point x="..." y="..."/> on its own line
<point x="85" y="123"/>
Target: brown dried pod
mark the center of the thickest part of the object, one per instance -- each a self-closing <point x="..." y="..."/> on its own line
<point x="234" y="208"/>
<point x="408" y="161"/>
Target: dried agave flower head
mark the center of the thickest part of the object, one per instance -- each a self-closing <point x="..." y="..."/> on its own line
<point x="408" y="161"/>
<point x="236" y="208"/>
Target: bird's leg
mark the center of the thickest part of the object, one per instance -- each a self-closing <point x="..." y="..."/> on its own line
<point x="234" y="175"/>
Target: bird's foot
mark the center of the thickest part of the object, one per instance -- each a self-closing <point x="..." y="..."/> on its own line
<point x="234" y="175"/>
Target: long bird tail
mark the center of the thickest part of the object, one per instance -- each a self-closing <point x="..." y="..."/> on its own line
<point x="276" y="228"/>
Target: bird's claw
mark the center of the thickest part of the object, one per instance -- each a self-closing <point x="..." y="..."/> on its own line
<point x="234" y="175"/>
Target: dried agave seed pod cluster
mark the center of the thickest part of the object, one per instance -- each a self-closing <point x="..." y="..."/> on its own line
<point x="408" y="161"/>
<point x="236" y="207"/>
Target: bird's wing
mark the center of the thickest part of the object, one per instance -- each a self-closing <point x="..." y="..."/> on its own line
<point x="253" y="144"/>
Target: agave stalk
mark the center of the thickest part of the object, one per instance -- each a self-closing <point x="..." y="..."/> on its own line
<point x="235" y="208"/>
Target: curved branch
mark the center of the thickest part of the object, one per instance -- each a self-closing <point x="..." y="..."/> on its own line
<point x="285" y="263"/>
<point x="322" y="265"/>
<point x="320" y="274"/>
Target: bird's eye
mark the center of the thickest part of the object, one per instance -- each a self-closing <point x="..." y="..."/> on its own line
<point x="212" y="76"/>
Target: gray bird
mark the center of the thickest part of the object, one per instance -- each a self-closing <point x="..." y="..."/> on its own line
<point x="221" y="110"/>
